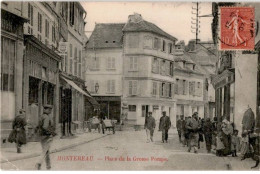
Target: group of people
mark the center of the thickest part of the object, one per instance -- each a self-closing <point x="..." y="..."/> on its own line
<point x="220" y="136"/>
<point x="164" y="126"/>
<point x="45" y="131"/>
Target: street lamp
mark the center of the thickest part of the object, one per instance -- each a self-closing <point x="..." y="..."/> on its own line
<point x="96" y="87"/>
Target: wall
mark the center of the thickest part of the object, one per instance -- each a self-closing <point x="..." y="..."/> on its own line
<point x="245" y="85"/>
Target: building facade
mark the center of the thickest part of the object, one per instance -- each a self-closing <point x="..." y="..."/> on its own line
<point x="104" y="73"/>
<point x="236" y="84"/>
<point x="189" y="86"/>
<point x="147" y="70"/>
<point x="12" y="48"/>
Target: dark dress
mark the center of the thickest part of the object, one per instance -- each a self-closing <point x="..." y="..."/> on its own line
<point x="18" y="134"/>
<point x="208" y="130"/>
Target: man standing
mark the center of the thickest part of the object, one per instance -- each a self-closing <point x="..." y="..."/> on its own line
<point x="180" y="127"/>
<point x="164" y="126"/>
<point x="149" y="126"/>
<point x="193" y="126"/>
<point x="46" y="130"/>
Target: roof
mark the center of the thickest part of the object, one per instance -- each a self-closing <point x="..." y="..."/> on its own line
<point x="186" y="58"/>
<point x="147" y="27"/>
<point x="106" y="35"/>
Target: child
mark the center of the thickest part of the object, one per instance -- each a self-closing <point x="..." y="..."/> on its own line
<point x="235" y="143"/>
<point x="220" y="146"/>
<point x="244" y="145"/>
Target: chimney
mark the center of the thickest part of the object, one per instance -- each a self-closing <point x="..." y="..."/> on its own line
<point x="135" y="18"/>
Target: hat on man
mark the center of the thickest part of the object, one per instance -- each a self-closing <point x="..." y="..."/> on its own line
<point x="47" y="106"/>
<point x="149" y="112"/>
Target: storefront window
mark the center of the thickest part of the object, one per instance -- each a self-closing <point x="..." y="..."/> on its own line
<point x="7" y="64"/>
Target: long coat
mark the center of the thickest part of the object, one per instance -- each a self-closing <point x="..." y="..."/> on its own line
<point x="165" y="123"/>
<point x="18" y="134"/>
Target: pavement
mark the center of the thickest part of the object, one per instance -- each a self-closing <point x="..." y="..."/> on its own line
<point x="33" y="149"/>
<point x="102" y="152"/>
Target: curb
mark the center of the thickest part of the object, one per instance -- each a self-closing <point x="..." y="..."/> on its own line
<point x="52" y="151"/>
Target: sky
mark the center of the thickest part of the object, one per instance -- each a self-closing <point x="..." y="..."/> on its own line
<point x="173" y="17"/>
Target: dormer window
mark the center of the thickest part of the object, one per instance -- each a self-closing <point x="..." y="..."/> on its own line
<point x="193" y="67"/>
<point x="106" y="41"/>
<point x="114" y="41"/>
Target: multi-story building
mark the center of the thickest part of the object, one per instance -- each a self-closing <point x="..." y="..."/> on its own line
<point x="104" y="73"/>
<point x="237" y="81"/>
<point x="189" y="85"/>
<point x="148" y="55"/>
<point x="51" y="64"/>
<point x="12" y="20"/>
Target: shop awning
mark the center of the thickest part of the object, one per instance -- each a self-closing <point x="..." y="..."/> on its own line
<point x="72" y="84"/>
<point x="89" y="97"/>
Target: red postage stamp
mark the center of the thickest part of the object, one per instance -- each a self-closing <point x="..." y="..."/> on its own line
<point x="237" y="28"/>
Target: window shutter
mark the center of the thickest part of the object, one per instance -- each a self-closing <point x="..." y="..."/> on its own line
<point x="135" y="87"/>
<point x="108" y="86"/>
<point x="113" y="63"/>
<point x="113" y="86"/>
<point x="186" y="87"/>
<point x="160" y="89"/>
<point x="176" y="87"/>
<point x="135" y="63"/>
<point x="190" y="88"/>
<point x="131" y="63"/>
<point x="130" y="87"/>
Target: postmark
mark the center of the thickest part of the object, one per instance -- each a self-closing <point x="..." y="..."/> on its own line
<point x="237" y="28"/>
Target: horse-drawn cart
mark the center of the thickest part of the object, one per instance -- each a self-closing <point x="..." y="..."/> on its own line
<point x="108" y="125"/>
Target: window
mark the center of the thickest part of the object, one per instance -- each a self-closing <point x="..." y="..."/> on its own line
<point x="95" y="63"/>
<point x="133" y="87"/>
<point x="148" y="42"/>
<point x="30" y="14"/>
<point x="155" y="88"/>
<point x="46" y="28"/>
<point x="133" y="41"/>
<point x="71" y="13"/>
<point x="199" y="89"/>
<point x="169" y="48"/>
<point x="162" y="67"/>
<point x="111" y="86"/>
<point x="75" y="61"/>
<point x="132" y="108"/>
<point x="192" y="88"/>
<point x="71" y="65"/>
<point x="111" y="63"/>
<point x="155" y="68"/>
<point x="133" y="64"/>
<point x="7" y="64"/>
<point x="170" y="90"/>
<point x="163" y="91"/>
<point x="167" y="68"/>
<point x="163" y="45"/>
<point x="156" y="43"/>
<point x="184" y="89"/>
<point x="39" y="22"/>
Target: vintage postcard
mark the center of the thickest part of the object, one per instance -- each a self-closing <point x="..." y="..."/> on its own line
<point x="147" y="86"/>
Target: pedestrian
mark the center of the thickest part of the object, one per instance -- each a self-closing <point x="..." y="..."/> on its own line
<point x="207" y="131"/>
<point x="18" y="134"/>
<point x="227" y="131"/>
<point x="219" y="145"/>
<point x="186" y="132"/>
<point x="149" y="126"/>
<point x="214" y="132"/>
<point x="235" y="143"/>
<point x="201" y="122"/>
<point x="193" y="126"/>
<point x="47" y="132"/>
<point x="164" y="126"/>
<point x="180" y="127"/>
<point x="244" y="145"/>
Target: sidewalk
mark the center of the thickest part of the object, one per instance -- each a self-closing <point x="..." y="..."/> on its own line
<point x="33" y="149"/>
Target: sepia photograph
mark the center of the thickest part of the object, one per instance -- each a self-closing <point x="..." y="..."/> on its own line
<point x="130" y="86"/>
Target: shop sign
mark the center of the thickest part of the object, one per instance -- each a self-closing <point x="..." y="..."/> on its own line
<point x="63" y="47"/>
<point x="155" y="106"/>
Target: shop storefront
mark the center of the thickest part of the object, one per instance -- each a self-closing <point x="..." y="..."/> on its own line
<point x="41" y="82"/>
<point x="11" y="68"/>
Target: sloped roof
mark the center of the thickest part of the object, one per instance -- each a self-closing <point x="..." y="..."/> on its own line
<point x="147" y="27"/>
<point x="106" y="35"/>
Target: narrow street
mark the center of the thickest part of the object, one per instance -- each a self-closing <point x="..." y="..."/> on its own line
<point x="105" y="153"/>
